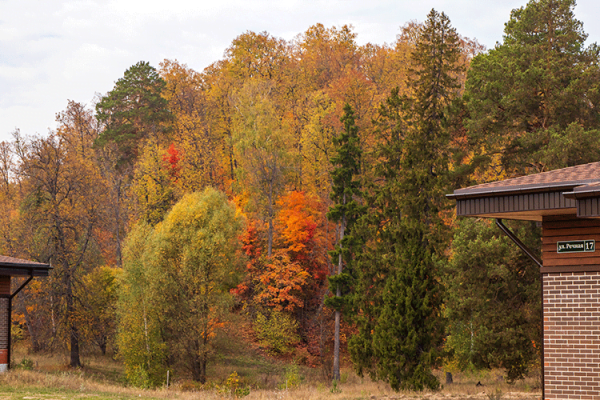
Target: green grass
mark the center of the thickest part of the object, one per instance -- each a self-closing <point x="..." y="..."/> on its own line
<point x="8" y="393"/>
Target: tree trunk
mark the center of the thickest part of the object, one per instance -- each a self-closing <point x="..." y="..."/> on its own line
<point x="118" y="226"/>
<point x="102" y="344"/>
<point x="73" y="333"/>
<point x="35" y="345"/>
<point x="271" y="217"/>
<point x="336" y="348"/>
<point x="75" y="362"/>
<point x="338" y="293"/>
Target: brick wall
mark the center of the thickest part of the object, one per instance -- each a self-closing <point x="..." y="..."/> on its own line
<point x="572" y="335"/>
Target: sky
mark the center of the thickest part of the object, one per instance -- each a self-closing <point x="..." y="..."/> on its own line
<point x="54" y="51"/>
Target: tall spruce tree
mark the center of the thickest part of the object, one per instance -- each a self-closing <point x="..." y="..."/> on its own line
<point x="398" y="295"/>
<point x="345" y="211"/>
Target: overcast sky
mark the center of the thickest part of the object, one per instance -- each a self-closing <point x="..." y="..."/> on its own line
<point x="54" y="51"/>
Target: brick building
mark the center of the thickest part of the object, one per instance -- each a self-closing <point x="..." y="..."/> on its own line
<point x="567" y="204"/>
<point x="16" y="268"/>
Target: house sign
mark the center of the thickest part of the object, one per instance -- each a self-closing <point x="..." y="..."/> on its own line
<point x="576" y="246"/>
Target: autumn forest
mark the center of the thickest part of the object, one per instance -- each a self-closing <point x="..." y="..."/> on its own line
<point x="300" y="186"/>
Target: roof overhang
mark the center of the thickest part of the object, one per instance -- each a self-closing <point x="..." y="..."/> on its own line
<point x="568" y="191"/>
<point x="15" y="266"/>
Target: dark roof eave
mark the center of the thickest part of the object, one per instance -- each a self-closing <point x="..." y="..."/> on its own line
<point x="26" y="266"/>
<point x="582" y="194"/>
<point x="511" y="190"/>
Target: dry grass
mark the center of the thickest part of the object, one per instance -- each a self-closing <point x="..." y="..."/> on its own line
<point x="80" y="384"/>
<point x="67" y="385"/>
<point x="103" y="378"/>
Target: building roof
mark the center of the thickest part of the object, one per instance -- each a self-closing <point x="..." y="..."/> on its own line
<point x="585" y="175"/>
<point x="566" y="191"/>
<point x="17" y="266"/>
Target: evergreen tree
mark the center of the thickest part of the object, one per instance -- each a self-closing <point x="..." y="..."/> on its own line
<point x="487" y="276"/>
<point x="398" y="292"/>
<point x="134" y="110"/>
<point x="534" y="99"/>
<point x="345" y="211"/>
<point x="533" y="106"/>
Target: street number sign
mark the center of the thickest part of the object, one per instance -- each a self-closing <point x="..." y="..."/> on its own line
<point x="576" y="246"/>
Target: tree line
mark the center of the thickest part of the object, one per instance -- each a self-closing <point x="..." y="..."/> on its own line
<point x="302" y="185"/>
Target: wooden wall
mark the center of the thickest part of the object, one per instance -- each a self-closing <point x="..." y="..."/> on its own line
<point x="569" y="228"/>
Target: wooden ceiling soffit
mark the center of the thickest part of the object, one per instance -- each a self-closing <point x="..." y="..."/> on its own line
<point x="522" y="206"/>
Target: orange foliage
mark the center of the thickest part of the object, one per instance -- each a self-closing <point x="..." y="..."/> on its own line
<point x="251" y="246"/>
<point x="297" y="226"/>
<point x="281" y="283"/>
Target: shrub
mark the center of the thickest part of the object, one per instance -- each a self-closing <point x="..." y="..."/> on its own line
<point x="277" y="332"/>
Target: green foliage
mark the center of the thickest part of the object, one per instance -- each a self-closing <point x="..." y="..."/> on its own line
<point x="174" y="296"/>
<point x="487" y="276"/>
<point x="196" y="256"/>
<point x="138" y="376"/>
<point x="277" y="331"/>
<point x="232" y="387"/>
<point x="346" y="209"/>
<point x="139" y="336"/>
<point x="291" y="378"/>
<point x="564" y="148"/>
<point x="398" y="295"/>
<point x="524" y="95"/>
<point x="133" y="110"/>
<point x="334" y="387"/>
<point x="25" y="364"/>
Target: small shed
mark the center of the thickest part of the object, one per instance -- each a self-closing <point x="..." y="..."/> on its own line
<point x="10" y="267"/>
<point x="567" y="204"/>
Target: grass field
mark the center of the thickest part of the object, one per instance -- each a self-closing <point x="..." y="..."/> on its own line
<point x="259" y="378"/>
<point x="237" y="364"/>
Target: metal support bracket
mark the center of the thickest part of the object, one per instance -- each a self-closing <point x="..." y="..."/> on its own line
<point x="23" y="285"/>
<point x="516" y="240"/>
<point x="9" y="322"/>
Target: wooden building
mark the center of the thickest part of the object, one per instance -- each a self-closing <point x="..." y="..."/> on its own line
<point x="567" y="204"/>
<point x="13" y="267"/>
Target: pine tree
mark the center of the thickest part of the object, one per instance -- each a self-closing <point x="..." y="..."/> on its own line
<point x="134" y="110"/>
<point x="345" y="211"/>
<point x="534" y="98"/>
<point x="398" y="295"/>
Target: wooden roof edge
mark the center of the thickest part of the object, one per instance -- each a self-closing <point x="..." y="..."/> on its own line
<point x="512" y="190"/>
<point x="25" y="265"/>
<point x="12" y="262"/>
<point x="582" y="192"/>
